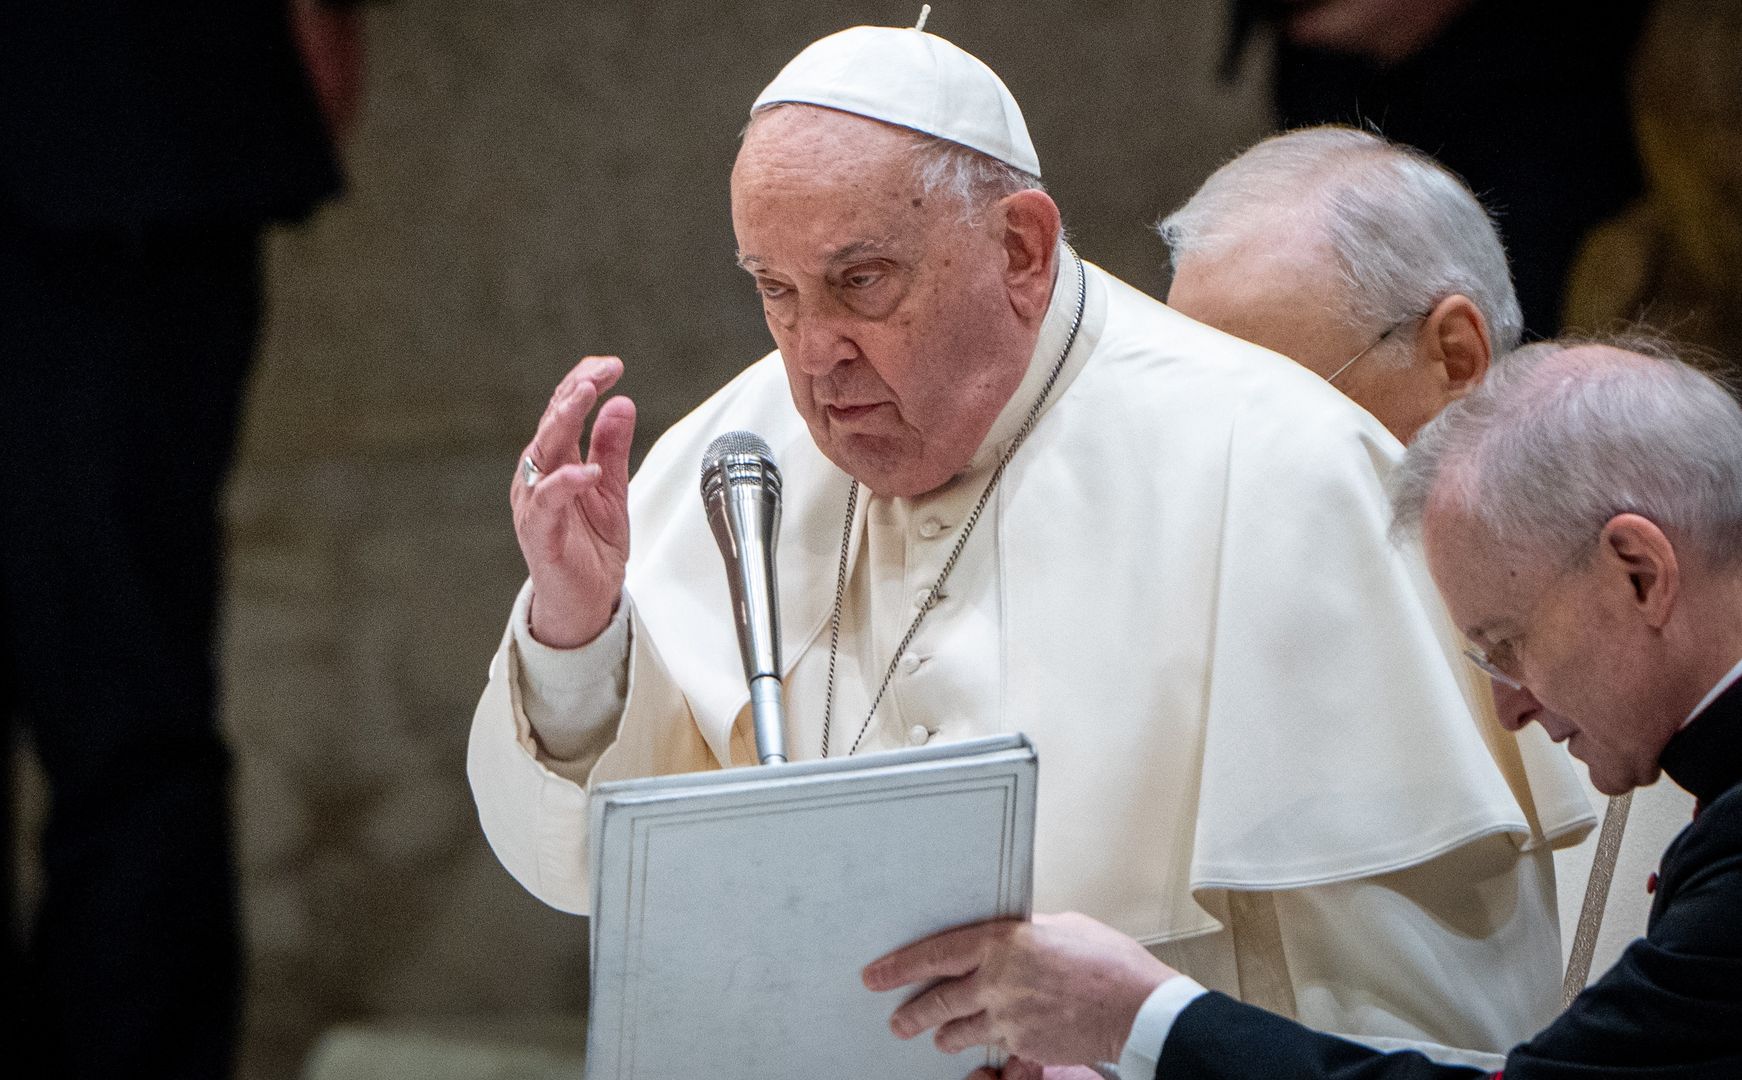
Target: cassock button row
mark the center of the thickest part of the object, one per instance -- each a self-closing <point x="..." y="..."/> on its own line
<point x="1651" y="884"/>
<point x="910" y="663"/>
<point x="930" y="528"/>
<point x="918" y="735"/>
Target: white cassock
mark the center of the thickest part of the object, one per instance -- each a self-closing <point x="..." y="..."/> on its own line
<point x="1183" y="592"/>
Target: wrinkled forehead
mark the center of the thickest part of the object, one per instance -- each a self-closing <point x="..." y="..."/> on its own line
<point x="821" y="142"/>
<point x="825" y="184"/>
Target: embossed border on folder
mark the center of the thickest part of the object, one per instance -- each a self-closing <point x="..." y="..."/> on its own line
<point x="732" y="910"/>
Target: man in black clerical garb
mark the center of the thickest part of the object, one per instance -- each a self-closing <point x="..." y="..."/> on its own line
<point x="1582" y="515"/>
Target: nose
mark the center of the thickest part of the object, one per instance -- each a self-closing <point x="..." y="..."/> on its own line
<point x="1516" y="708"/>
<point x="820" y="337"/>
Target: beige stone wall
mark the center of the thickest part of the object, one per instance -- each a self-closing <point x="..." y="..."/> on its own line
<point x="534" y="180"/>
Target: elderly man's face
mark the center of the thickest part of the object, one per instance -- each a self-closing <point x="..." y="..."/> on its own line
<point x="893" y="316"/>
<point x="1277" y="289"/>
<point x="1569" y="635"/>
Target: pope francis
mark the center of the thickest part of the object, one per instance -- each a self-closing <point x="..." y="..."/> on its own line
<point x="1022" y="496"/>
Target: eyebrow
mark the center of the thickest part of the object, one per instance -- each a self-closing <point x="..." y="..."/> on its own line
<point x="855" y="249"/>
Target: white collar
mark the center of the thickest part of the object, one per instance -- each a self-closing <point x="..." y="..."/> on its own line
<point x="1712" y="695"/>
<point x="1055" y="331"/>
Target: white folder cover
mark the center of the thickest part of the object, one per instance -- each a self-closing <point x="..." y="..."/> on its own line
<point x="733" y="910"/>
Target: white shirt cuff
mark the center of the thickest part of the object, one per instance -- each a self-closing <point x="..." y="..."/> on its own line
<point x="1154" y="1020"/>
<point x="571" y="695"/>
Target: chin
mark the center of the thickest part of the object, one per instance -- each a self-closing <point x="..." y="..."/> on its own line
<point x="883" y="468"/>
<point x="1619" y="781"/>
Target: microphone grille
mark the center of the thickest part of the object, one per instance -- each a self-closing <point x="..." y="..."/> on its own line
<point x="735" y="444"/>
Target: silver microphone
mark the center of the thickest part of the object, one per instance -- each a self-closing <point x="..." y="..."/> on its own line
<point x="741" y="492"/>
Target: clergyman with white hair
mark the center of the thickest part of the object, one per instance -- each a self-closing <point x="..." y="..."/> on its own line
<point x="1020" y="496"/>
<point x="1366" y="261"/>
<point x="1582" y="514"/>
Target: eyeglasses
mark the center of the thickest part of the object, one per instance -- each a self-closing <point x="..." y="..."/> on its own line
<point x="1375" y="343"/>
<point x="1490" y="668"/>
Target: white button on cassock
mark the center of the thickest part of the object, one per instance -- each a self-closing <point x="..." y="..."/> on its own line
<point x="922" y="598"/>
<point x="930" y="528"/>
<point x="910" y="664"/>
<point x="918" y="735"/>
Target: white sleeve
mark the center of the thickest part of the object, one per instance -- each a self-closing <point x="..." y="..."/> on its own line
<point x="572" y="697"/>
<point x="1154" y="1020"/>
<point x="1462" y="950"/>
<point x="533" y="804"/>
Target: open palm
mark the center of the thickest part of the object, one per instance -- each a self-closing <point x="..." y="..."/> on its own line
<point x="573" y="522"/>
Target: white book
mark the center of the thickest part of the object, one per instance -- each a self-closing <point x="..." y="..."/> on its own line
<point x="733" y="910"/>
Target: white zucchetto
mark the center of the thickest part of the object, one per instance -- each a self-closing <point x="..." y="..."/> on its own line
<point x="912" y="79"/>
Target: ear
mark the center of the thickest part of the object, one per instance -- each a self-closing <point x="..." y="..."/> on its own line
<point x="1453" y="343"/>
<point x="1031" y="240"/>
<point x="1634" y="546"/>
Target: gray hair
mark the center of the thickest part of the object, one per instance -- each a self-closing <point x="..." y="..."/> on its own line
<point x="1405" y="232"/>
<point x="949" y="170"/>
<point x="974" y="181"/>
<point x="1566" y="434"/>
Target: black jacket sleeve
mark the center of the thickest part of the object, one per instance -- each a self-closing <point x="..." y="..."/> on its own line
<point x="1670" y="1009"/>
<point x="1672" y="1006"/>
<point x="1218" y="1038"/>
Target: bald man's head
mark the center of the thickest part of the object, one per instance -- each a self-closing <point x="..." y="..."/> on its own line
<point x="1328" y="244"/>
<point x="1581" y="513"/>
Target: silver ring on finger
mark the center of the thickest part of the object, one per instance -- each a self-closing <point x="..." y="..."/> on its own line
<point x="529" y="471"/>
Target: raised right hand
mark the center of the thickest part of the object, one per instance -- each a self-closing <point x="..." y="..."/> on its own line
<point x="573" y="524"/>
